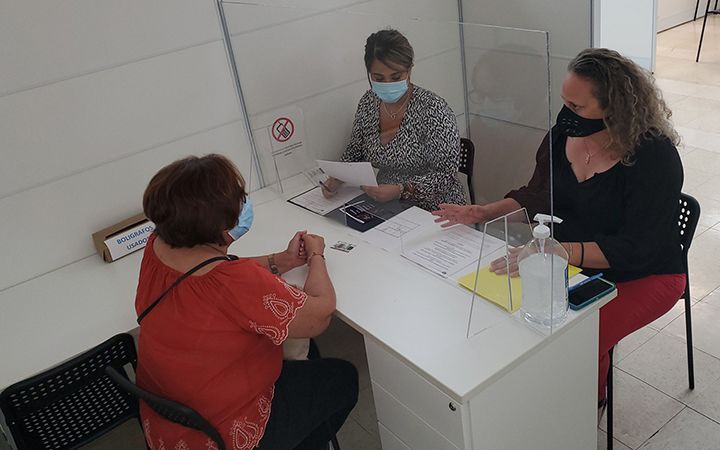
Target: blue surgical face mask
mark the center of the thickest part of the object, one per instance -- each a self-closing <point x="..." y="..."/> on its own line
<point x="244" y="221"/>
<point x="390" y="92"/>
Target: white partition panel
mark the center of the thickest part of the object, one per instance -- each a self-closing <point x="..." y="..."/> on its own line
<point x="312" y="59"/>
<point x="568" y="22"/>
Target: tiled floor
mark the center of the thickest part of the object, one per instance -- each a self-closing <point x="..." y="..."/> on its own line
<point x="654" y="409"/>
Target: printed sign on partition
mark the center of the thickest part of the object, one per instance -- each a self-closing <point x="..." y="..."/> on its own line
<point x="280" y="140"/>
<point x="282" y="129"/>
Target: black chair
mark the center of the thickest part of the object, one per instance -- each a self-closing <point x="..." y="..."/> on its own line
<point x="708" y="11"/>
<point x="688" y="216"/>
<point x="467" y="163"/>
<point x="72" y="404"/>
<point x="697" y="4"/>
<point x="170" y="410"/>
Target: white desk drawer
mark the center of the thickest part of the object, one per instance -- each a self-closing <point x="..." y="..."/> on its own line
<point x="389" y="441"/>
<point x="412" y="391"/>
<point x="407" y="426"/>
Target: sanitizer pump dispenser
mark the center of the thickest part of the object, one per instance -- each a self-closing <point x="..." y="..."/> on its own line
<point x="543" y="265"/>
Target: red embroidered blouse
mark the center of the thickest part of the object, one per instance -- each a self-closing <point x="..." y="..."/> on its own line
<point x="214" y="344"/>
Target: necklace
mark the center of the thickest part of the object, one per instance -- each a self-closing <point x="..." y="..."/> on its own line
<point x="394" y="115"/>
<point x="588" y="155"/>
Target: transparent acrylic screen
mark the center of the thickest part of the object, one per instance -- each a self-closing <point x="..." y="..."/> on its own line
<point x="302" y="75"/>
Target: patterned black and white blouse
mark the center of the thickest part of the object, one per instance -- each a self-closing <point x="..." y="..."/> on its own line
<point x="424" y="153"/>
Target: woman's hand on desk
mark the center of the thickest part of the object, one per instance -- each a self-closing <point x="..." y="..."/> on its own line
<point x="510" y="263"/>
<point x="451" y="215"/>
<point x="295" y="254"/>
<point x="330" y="186"/>
<point x="383" y="192"/>
<point x="314" y="245"/>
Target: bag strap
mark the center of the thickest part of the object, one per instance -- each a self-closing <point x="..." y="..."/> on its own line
<point x="181" y="278"/>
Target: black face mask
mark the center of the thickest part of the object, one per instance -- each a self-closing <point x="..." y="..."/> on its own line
<point x="570" y="124"/>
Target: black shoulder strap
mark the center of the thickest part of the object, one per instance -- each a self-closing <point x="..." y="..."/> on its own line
<point x="182" y="277"/>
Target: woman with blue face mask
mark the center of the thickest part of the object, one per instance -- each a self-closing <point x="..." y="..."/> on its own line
<point x="409" y="133"/>
<point x="212" y="324"/>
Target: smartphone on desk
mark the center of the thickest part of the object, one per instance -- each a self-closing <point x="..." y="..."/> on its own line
<point x="359" y="218"/>
<point x="586" y="293"/>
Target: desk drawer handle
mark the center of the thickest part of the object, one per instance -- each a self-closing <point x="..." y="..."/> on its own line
<point x="452" y="406"/>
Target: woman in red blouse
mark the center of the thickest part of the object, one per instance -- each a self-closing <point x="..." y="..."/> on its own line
<point x="213" y="342"/>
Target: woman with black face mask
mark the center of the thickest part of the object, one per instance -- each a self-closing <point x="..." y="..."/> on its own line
<point x="616" y="184"/>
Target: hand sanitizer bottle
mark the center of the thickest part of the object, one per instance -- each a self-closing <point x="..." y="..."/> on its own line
<point x="543" y="267"/>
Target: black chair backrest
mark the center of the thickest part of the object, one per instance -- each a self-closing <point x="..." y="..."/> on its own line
<point x="467" y="163"/>
<point x="72" y="404"/>
<point x="688" y="217"/>
<point x="170" y="410"/>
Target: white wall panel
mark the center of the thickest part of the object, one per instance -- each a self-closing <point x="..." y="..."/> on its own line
<point x="57" y="130"/>
<point x="430" y="10"/>
<point x="671" y="13"/>
<point x="48" y="40"/>
<point x="246" y="17"/>
<point x="629" y="28"/>
<point x="50" y="226"/>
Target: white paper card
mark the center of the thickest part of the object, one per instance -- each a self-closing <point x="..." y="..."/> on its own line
<point x="129" y="240"/>
<point x="351" y="173"/>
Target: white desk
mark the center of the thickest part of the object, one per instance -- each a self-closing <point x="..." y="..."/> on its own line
<point x="506" y="388"/>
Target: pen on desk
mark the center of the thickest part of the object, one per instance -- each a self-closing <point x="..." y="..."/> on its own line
<point x="585" y="281"/>
<point x="353" y="204"/>
<point x="325" y="186"/>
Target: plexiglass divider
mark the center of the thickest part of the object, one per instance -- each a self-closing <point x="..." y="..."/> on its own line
<point x="307" y="95"/>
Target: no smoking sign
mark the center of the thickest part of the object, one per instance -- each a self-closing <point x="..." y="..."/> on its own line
<point x="283" y="129"/>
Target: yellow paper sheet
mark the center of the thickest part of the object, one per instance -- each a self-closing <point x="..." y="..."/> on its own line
<point x="494" y="288"/>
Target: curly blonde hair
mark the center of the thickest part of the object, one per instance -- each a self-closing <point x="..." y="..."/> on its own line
<point x="634" y="106"/>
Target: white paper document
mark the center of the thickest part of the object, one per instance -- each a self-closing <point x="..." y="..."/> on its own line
<point x="315" y="201"/>
<point x="351" y="173"/>
<point x="389" y="235"/>
<point x="447" y="251"/>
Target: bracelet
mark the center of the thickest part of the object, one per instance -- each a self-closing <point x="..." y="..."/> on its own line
<point x="272" y="265"/>
<point x="314" y="254"/>
<point x="582" y="253"/>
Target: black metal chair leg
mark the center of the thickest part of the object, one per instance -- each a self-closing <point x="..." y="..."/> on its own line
<point x="688" y="336"/>
<point x="697" y="4"/>
<point x="702" y="33"/>
<point x="335" y="444"/>
<point x="609" y="400"/>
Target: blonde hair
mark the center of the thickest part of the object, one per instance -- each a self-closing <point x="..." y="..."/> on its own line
<point x="634" y="106"/>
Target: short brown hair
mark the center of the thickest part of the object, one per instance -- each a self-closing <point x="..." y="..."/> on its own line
<point x="195" y="200"/>
<point x="389" y="47"/>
